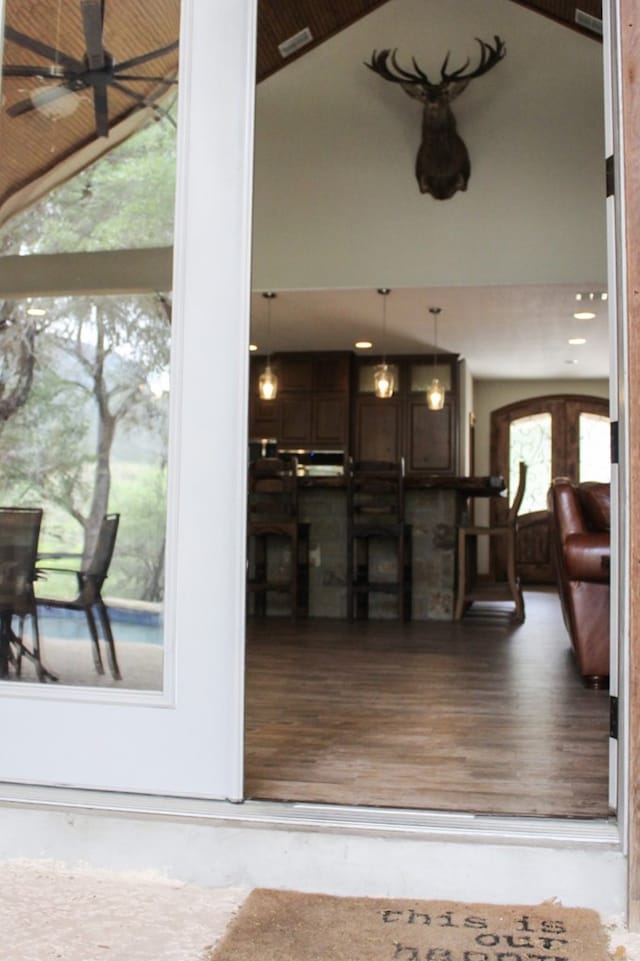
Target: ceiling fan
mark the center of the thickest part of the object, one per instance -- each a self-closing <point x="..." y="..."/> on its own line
<point x="96" y="71"/>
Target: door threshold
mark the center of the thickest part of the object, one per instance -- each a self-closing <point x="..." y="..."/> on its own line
<point x="601" y="833"/>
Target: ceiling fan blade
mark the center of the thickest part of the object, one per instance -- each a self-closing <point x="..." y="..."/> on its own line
<point x="101" y="111"/>
<point x="138" y="97"/>
<point x="43" y="50"/>
<point x="92" y="12"/>
<point x="143" y="101"/>
<point x="130" y="76"/>
<point x="145" y="57"/>
<point x="47" y="73"/>
<point x="45" y="96"/>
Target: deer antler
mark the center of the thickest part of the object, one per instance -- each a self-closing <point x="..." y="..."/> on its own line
<point x="379" y="65"/>
<point x="489" y="57"/>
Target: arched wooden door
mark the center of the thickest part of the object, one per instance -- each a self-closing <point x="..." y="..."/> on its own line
<point x="557" y="436"/>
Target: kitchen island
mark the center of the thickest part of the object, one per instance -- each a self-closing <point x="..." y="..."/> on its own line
<point x="434" y="506"/>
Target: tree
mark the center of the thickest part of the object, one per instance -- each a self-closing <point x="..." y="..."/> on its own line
<point x="97" y="357"/>
<point x="17" y="358"/>
<point x="97" y="365"/>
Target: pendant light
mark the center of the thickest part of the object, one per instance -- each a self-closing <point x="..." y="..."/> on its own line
<point x="268" y="382"/>
<point x="383" y="380"/>
<point x="435" y="391"/>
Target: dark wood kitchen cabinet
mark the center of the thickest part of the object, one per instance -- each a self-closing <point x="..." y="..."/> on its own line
<point x="402" y="426"/>
<point x="312" y="406"/>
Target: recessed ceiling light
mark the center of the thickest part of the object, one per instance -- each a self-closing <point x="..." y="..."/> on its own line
<point x="253" y="347"/>
<point x="363" y="345"/>
<point x="592" y="295"/>
<point x="576" y="341"/>
<point x="36" y="311"/>
<point x="584" y="315"/>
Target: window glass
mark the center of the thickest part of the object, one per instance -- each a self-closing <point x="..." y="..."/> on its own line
<point x="595" y="448"/>
<point x="530" y="441"/>
<point x="83" y="433"/>
<point x="423" y="374"/>
<point x="84" y="214"/>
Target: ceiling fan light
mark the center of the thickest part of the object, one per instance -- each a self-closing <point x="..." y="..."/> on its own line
<point x="53" y="104"/>
<point x="435" y="395"/>
<point x="383" y="381"/>
<point x="268" y="384"/>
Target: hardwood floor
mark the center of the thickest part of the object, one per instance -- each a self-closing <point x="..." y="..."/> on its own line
<point x="480" y="715"/>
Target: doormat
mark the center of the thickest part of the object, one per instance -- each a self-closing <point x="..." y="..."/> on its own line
<point x="292" y="926"/>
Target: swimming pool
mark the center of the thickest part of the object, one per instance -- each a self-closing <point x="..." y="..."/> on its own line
<point x="142" y="627"/>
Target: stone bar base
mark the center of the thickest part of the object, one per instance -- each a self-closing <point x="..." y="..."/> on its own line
<point x="432" y="514"/>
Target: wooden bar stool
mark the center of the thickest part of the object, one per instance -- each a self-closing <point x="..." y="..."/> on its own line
<point x="278" y="543"/>
<point x="469" y="588"/>
<point x="375" y="520"/>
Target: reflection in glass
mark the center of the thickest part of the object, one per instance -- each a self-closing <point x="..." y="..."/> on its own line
<point x="90" y="438"/>
<point x="595" y="448"/>
<point x="85" y="379"/>
<point x="530" y="441"/>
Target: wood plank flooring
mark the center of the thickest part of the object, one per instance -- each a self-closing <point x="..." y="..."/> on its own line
<point x="480" y="715"/>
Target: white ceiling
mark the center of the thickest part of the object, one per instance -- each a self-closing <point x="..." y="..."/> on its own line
<point x="503" y="332"/>
<point x="337" y="212"/>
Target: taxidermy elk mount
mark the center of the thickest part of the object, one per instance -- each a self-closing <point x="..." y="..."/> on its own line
<point x="442" y="164"/>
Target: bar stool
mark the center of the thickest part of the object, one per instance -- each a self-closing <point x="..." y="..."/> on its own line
<point x="277" y="542"/>
<point x="377" y="537"/>
<point x="509" y="589"/>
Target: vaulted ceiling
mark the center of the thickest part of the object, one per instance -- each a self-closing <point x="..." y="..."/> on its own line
<point x="280" y="20"/>
<point x="37" y="153"/>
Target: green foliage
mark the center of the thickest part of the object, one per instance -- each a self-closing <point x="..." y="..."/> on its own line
<point x="139" y="494"/>
<point x="99" y="362"/>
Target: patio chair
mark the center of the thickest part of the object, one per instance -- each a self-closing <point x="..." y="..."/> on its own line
<point x="89" y="585"/>
<point x="19" y="533"/>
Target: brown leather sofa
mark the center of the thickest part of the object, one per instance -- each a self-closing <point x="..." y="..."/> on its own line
<point x="580" y="524"/>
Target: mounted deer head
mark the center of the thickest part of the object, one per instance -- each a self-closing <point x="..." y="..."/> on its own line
<point x="442" y="164"/>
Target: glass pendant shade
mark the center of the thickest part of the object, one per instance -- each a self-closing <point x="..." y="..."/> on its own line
<point x="383" y="381"/>
<point x="435" y="395"/>
<point x="268" y="384"/>
<point x="268" y="381"/>
<point x="435" y="390"/>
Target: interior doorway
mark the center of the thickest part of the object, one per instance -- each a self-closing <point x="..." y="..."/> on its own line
<point x="293" y="641"/>
<point x="557" y="436"/>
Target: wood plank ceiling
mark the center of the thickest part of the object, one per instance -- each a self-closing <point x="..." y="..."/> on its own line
<point x="279" y="20"/>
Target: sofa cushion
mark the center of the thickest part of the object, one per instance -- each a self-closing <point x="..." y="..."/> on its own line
<point x="595" y="499"/>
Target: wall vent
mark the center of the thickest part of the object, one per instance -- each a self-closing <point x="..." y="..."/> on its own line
<point x="588" y="22"/>
<point x="296" y="42"/>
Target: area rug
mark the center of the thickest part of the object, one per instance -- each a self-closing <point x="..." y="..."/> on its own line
<point x="292" y="926"/>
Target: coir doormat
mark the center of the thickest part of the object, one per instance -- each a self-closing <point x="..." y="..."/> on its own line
<point x="291" y="926"/>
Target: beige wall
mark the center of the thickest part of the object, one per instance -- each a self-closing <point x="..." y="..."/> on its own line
<point x="489" y="395"/>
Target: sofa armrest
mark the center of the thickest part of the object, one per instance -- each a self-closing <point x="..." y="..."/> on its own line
<point x="587" y="556"/>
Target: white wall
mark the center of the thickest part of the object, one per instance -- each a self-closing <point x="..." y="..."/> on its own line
<point x="336" y="202"/>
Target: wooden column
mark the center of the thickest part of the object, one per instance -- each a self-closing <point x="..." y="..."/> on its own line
<point x="630" y="69"/>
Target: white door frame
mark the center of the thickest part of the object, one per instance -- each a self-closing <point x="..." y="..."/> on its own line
<point x="188" y="741"/>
